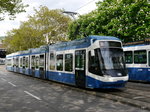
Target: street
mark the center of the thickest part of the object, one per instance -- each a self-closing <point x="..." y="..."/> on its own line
<point x="20" y="93"/>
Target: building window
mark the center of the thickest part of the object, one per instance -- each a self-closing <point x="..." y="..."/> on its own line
<point x="52" y="61"/>
<point x="69" y="62"/>
<point x="140" y="57"/>
<point x="128" y="57"/>
<point x="59" y="63"/>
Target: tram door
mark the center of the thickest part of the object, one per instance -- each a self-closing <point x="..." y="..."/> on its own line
<point x="42" y="66"/>
<point x="33" y="65"/>
<point x="80" y="78"/>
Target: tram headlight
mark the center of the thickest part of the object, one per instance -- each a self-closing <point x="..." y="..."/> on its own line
<point x="119" y="74"/>
<point x="108" y="77"/>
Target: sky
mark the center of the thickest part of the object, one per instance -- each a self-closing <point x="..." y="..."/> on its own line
<point x="80" y="6"/>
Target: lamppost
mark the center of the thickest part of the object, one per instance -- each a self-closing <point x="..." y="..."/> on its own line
<point x="72" y="14"/>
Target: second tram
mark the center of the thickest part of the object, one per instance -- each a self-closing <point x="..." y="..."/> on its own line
<point x="137" y="59"/>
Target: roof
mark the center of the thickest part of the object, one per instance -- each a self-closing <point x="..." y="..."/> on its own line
<point x="80" y="43"/>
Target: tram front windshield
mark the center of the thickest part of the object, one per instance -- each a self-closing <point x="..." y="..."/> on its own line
<point x="107" y="61"/>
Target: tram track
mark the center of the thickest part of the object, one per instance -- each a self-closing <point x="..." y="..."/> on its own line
<point x="128" y="95"/>
<point x="133" y="94"/>
<point x="138" y="95"/>
<point x="139" y="86"/>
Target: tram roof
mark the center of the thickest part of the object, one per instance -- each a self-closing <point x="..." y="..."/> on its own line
<point x="41" y="49"/>
<point x="75" y="44"/>
<point x="80" y="43"/>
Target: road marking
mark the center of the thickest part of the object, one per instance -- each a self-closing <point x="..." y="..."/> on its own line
<point x="138" y="97"/>
<point x="32" y="95"/>
<point x="12" y="84"/>
<point x="3" y="79"/>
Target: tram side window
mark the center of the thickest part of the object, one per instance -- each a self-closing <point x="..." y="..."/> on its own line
<point x="128" y="57"/>
<point x="140" y="57"/>
<point x="59" y="62"/>
<point x="17" y="62"/>
<point x="52" y="61"/>
<point x="20" y="62"/>
<point x="94" y="63"/>
<point x="68" y="62"/>
<point x="41" y="61"/>
<point x="33" y="61"/>
<point x="14" y="61"/>
<point x="9" y="62"/>
<point x="26" y="62"/>
<point x="37" y="61"/>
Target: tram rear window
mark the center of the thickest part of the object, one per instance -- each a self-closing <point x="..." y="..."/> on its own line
<point x="109" y="44"/>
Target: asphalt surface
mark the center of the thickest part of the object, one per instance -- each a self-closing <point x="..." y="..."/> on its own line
<point x="19" y="93"/>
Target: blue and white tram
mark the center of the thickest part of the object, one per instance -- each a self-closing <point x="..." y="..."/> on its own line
<point x="91" y="62"/>
<point x="137" y="59"/>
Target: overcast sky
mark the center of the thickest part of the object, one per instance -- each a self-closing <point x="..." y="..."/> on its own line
<point x="80" y="6"/>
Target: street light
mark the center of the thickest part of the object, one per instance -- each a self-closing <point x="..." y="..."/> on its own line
<point x="72" y="14"/>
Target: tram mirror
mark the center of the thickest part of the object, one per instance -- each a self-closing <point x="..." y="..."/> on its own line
<point x="92" y="53"/>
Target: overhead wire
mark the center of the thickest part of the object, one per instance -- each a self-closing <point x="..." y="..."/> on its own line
<point x="84" y="5"/>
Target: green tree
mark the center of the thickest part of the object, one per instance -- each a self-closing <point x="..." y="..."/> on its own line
<point x="45" y="25"/>
<point x="52" y="23"/>
<point x="10" y="8"/>
<point x="127" y="19"/>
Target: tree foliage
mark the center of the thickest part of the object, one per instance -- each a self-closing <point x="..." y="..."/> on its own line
<point x="44" y="26"/>
<point x="10" y="8"/>
<point x="127" y="19"/>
